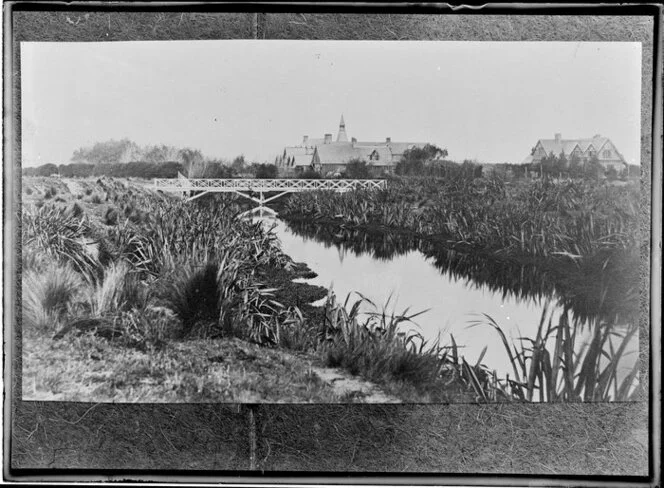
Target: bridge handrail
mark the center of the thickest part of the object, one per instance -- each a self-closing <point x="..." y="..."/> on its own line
<point x="275" y="184"/>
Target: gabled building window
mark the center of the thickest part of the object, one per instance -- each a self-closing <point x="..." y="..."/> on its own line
<point x="607" y="153"/>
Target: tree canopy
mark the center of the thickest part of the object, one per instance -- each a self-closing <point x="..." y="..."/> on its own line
<point x="414" y="160"/>
<point x="357" y="169"/>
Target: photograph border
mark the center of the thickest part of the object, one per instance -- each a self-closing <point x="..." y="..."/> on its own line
<point x="256" y="25"/>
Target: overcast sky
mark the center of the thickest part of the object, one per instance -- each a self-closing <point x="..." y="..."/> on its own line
<point x="489" y="101"/>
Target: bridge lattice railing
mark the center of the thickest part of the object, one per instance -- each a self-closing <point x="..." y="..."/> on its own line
<point x="251" y="184"/>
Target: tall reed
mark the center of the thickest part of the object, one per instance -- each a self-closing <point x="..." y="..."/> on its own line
<point x="558" y="365"/>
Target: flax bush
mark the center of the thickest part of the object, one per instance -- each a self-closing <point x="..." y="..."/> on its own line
<point x="537" y="218"/>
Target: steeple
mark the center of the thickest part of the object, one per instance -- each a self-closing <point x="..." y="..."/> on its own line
<point x="342" y="131"/>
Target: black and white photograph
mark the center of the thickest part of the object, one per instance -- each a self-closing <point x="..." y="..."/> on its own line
<point x="330" y="221"/>
<point x="335" y="223"/>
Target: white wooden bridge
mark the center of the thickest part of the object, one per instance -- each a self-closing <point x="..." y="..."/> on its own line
<point x="246" y="186"/>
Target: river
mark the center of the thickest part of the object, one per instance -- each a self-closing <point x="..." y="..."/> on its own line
<point x="454" y="290"/>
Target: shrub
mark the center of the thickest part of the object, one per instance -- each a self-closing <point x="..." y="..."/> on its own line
<point x="111" y="216"/>
<point x="76" y="210"/>
<point x="96" y="199"/>
<point x="267" y="171"/>
<point x="47" y="296"/>
<point x="311" y="174"/>
<point x="357" y="169"/>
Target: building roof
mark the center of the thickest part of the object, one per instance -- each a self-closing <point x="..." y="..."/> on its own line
<point x="384" y="154"/>
<point x="337" y="152"/>
<point x="341" y="151"/>
<point x="311" y="142"/>
<point x="295" y="151"/>
<point x="556" y="146"/>
<point x="303" y="160"/>
<point x="567" y="145"/>
<point x="397" y="148"/>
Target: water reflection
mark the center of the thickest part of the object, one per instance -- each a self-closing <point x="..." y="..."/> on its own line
<point x="458" y="288"/>
<point x="605" y="288"/>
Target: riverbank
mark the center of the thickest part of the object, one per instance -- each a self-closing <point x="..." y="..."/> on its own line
<point x="127" y="293"/>
<point x="598" y="283"/>
<point x="585" y="286"/>
<point x="522" y="220"/>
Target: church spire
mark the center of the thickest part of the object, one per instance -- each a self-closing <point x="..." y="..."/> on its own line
<point x="342" y="131"/>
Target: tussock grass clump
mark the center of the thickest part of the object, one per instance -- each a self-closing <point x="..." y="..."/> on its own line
<point x="33" y="260"/>
<point x="47" y="296"/>
<point x="59" y="235"/>
<point x="219" y="298"/>
<point x="377" y="348"/>
<point x="297" y="333"/>
<point x="111" y="216"/>
<point x="194" y="295"/>
<point x="118" y="290"/>
<point x="50" y="192"/>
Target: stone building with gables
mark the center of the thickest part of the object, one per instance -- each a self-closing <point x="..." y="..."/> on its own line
<point x="329" y="157"/>
<point x="584" y="149"/>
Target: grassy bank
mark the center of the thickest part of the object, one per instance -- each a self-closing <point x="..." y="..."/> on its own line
<point x="131" y="295"/>
<point x="128" y="293"/>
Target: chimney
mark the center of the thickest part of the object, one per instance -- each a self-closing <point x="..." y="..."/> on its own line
<point x="558" y="137"/>
<point x="353" y="140"/>
<point x="388" y="140"/>
<point x="328" y="139"/>
<point x="305" y="140"/>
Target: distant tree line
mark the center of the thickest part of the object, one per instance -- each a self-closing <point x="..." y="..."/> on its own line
<point x="125" y="159"/>
<point x="125" y="151"/>
<point x="140" y="169"/>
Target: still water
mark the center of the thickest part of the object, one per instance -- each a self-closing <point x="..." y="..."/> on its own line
<point x="453" y="289"/>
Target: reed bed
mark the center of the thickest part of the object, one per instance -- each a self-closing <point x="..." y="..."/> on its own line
<point x="559" y="364"/>
<point x="374" y="344"/>
<point x="541" y="218"/>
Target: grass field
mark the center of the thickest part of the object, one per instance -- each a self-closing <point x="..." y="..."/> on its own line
<point x="471" y="440"/>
